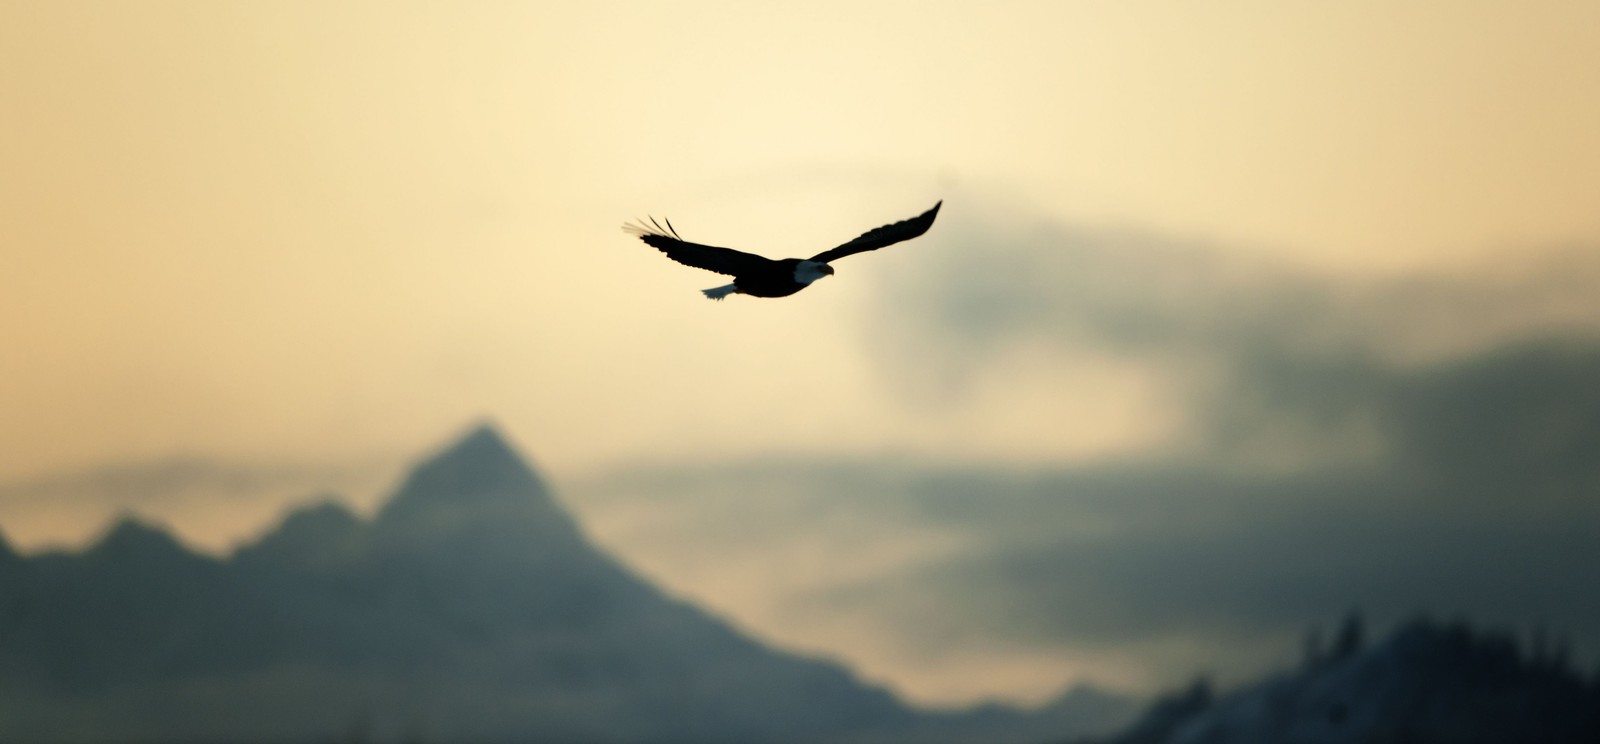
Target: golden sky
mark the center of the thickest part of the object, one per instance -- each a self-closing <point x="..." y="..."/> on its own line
<point x="290" y="228"/>
<point x="323" y="232"/>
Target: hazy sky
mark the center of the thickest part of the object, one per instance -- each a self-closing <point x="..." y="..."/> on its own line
<point x="306" y="238"/>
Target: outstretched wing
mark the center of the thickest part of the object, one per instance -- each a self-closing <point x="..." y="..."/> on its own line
<point x="709" y="257"/>
<point x="876" y="238"/>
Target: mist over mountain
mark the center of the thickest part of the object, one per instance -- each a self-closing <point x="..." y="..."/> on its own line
<point x="470" y="608"/>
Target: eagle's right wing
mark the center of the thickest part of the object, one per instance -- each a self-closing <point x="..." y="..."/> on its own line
<point x="709" y="257"/>
<point x="880" y="237"/>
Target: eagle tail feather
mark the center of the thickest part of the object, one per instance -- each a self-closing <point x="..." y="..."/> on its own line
<point x="717" y="293"/>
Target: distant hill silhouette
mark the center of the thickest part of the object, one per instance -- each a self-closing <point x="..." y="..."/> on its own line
<point x="1428" y="683"/>
<point x="470" y="608"/>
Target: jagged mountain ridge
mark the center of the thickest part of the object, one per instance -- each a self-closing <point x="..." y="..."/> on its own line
<point x="470" y="608"/>
<point x="469" y="584"/>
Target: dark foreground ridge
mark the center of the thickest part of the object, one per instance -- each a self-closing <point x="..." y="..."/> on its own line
<point x="1428" y="683"/>
<point x="471" y="608"/>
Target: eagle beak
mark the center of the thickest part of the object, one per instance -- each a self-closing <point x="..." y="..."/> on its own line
<point x="826" y="269"/>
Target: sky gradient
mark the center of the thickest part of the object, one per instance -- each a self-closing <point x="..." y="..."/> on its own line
<point x="1276" y="248"/>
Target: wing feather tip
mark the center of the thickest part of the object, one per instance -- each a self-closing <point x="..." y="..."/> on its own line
<point x="640" y="229"/>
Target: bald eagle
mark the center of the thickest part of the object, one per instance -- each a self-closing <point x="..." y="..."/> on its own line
<point x="759" y="276"/>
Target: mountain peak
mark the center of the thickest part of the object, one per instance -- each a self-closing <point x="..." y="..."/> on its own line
<point x="481" y="446"/>
<point x="484" y="434"/>
<point x="133" y="537"/>
<point x="325" y="515"/>
<point x="311" y="533"/>
<point x="478" y="470"/>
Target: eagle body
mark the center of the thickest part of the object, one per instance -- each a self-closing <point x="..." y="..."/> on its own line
<point x="759" y="276"/>
<point x="785" y="278"/>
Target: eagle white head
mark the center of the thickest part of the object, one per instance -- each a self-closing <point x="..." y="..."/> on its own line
<point x="807" y="272"/>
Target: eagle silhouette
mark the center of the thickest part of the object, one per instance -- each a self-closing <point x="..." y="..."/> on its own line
<point x="759" y="276"/>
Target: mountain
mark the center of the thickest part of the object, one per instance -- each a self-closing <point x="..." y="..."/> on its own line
<point x="470" y="608"/>
<point x="1428" y="683"/>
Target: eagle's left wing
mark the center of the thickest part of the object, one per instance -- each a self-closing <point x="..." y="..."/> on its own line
<point x="709" y="257"/>
<point x="876" y="238"/>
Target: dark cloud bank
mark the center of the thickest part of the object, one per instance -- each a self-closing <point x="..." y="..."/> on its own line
<point x="1445" y="432"/>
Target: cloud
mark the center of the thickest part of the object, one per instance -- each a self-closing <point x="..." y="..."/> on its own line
<point x="994" y="277"/>
<point x="1253" y="354"/>
<point x="1401" y="443"/>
